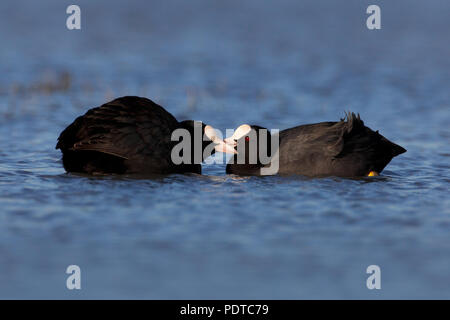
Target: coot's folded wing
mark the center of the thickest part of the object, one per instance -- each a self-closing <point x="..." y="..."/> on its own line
<point x="125" y="127"/>
<point x="330" y="139"/>
<point x="302" y="142"/>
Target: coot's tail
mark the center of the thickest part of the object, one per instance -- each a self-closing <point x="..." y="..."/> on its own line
<point x="360" y="141"/>
<point x="355" y="125"/>
<point x="396" y="149"/>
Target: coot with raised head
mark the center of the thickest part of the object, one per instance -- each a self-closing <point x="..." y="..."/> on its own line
<point x="346" y="148"/>
<point x="131" y="135"/>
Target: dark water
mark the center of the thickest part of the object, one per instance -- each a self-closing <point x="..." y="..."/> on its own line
<point x="275" y="64"/>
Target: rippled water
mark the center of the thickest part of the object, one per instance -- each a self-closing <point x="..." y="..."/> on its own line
<point x="217" y="235"/>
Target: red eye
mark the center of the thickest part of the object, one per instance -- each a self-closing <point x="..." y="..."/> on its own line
<point x="247" y="139"/>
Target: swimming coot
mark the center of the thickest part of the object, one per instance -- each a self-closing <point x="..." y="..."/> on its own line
<point x="131" y="135"/>
<point x="346" y="148"/>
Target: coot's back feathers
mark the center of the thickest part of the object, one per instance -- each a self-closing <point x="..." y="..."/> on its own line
<point x="128" y="134"/>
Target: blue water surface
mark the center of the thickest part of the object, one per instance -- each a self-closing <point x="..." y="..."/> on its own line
<point x="273" y="63"/>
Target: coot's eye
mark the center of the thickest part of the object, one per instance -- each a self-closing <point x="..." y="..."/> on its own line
<point x="247" y="138"/>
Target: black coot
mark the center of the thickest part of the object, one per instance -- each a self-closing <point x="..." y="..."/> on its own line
<point x="346" y="148"/>
<point x="129" y="135"/>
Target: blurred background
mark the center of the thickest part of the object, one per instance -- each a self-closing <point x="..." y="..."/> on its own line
<point x="273" y="63"/>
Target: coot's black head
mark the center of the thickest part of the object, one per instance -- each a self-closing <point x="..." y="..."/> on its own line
<point x="204" y="139"/>
<point x="252" y="144"/>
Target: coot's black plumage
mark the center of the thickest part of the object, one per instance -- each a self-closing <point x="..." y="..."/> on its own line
<point x="346" y="148"/>
<point x="125" y="136"/>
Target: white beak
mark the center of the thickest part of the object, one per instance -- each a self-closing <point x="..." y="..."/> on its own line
<point x="239" y="133"/>
<point x="221" y="145"/>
